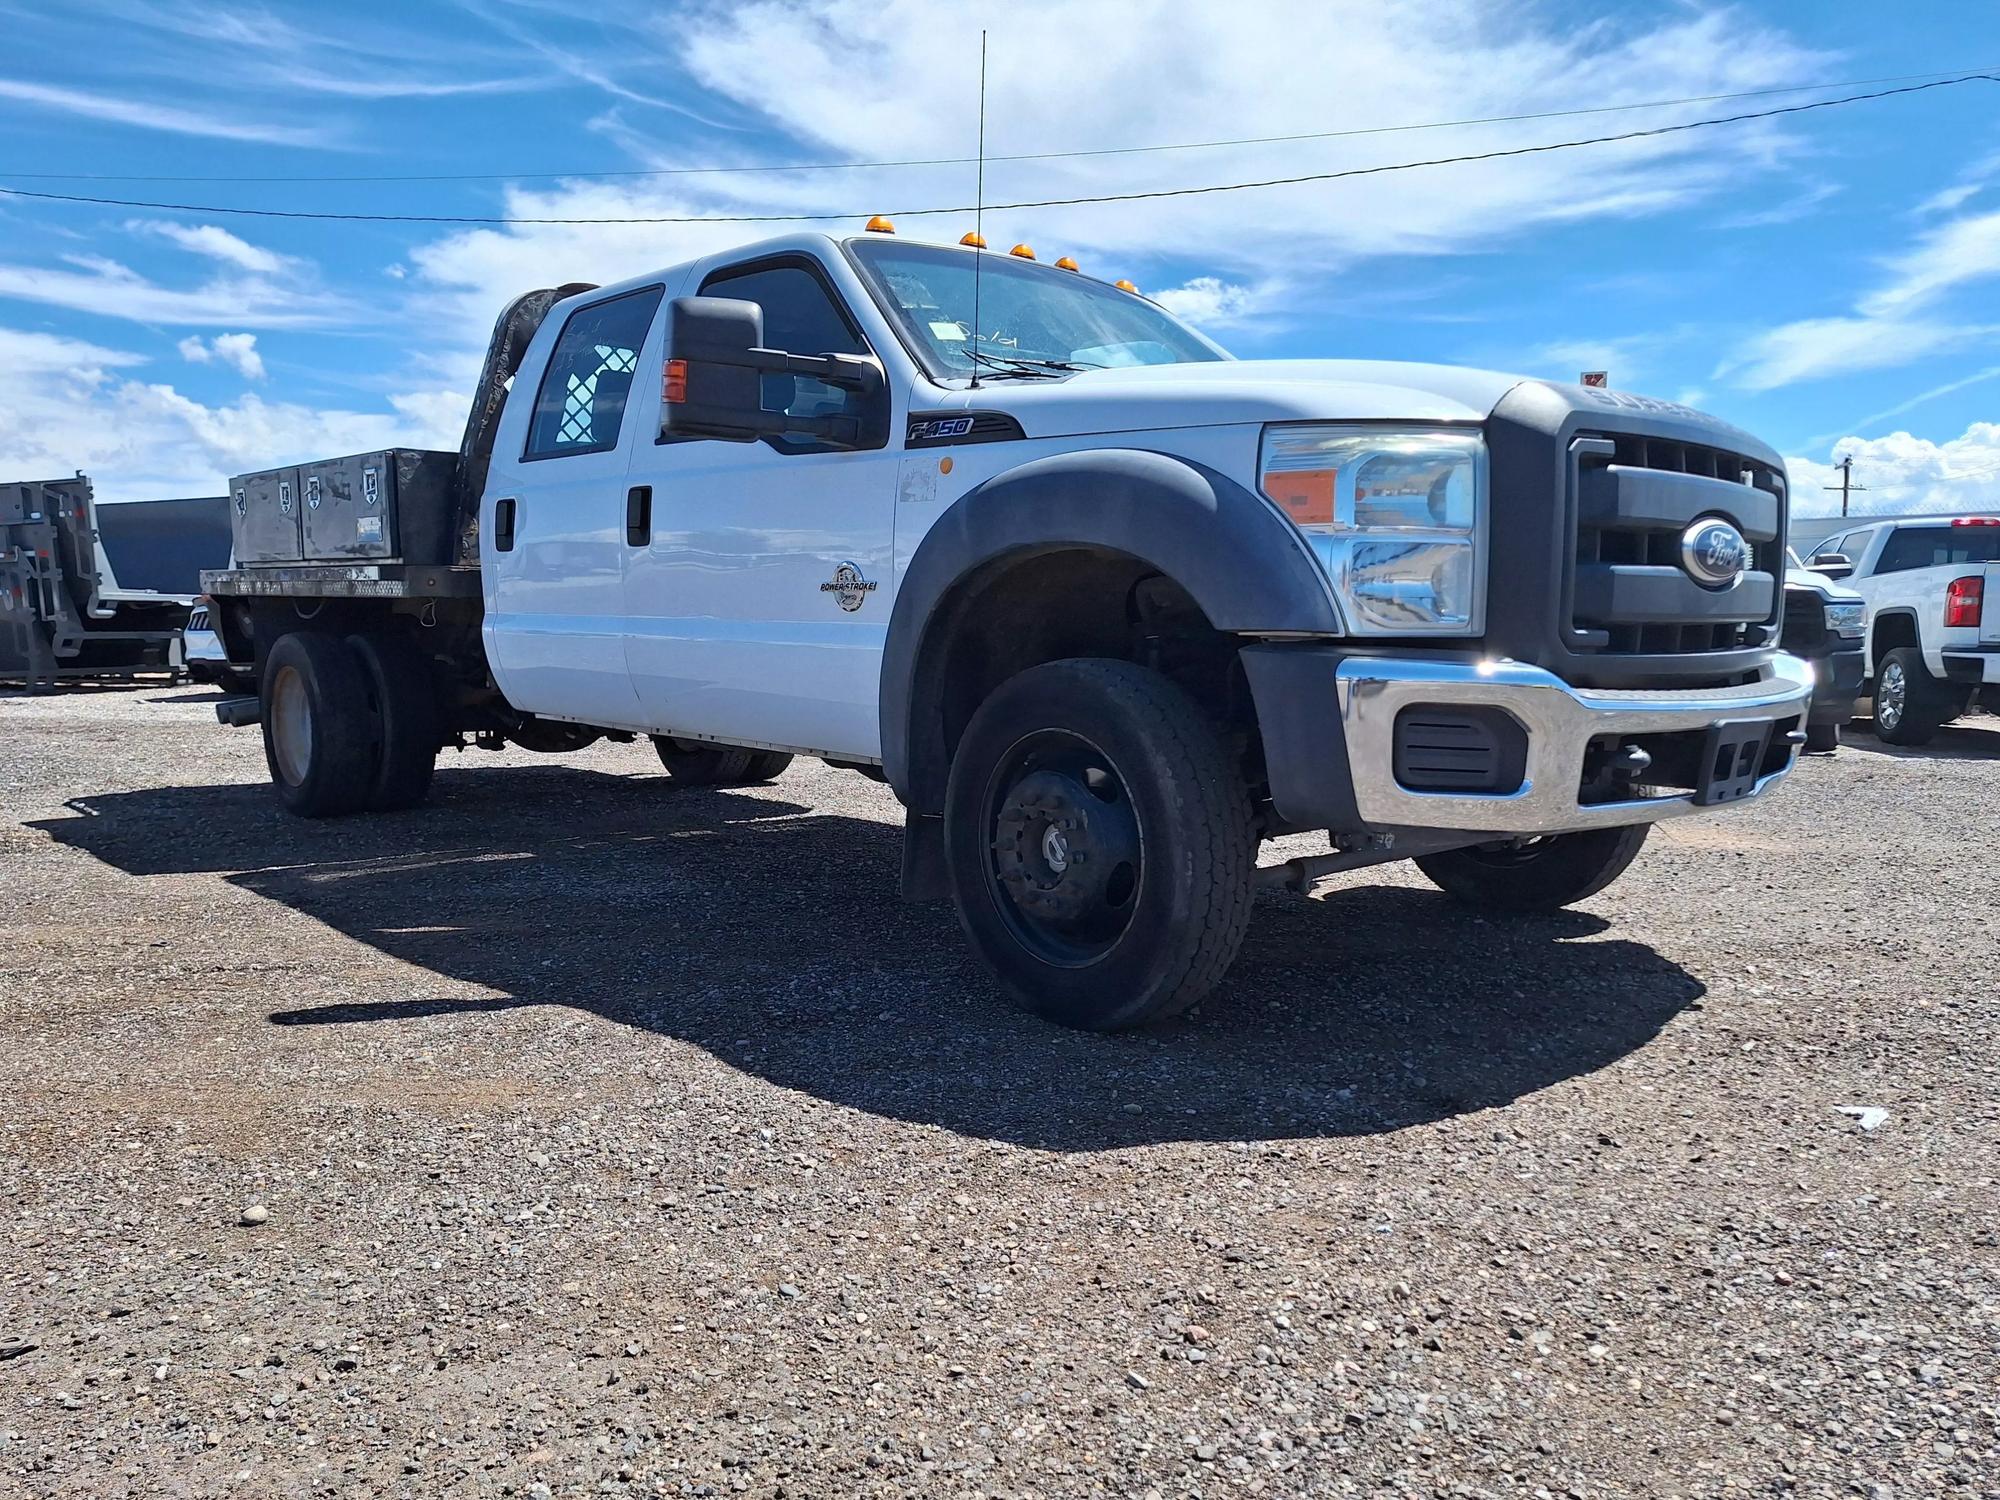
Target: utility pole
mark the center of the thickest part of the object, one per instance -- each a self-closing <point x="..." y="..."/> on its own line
<point x="1846" y="467"/>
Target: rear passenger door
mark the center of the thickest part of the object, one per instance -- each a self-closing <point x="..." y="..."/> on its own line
<point x="553" y="517"/>
<point x="759" y="603"/>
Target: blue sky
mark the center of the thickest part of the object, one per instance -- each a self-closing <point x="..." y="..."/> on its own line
<point x="1830" y="280"/>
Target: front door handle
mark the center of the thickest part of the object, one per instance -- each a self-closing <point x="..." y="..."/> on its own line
<point x="639" y="515"/>
<point x="503" y="525"/>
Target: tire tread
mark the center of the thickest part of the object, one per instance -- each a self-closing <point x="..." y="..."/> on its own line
<point x="1213" y="814"/>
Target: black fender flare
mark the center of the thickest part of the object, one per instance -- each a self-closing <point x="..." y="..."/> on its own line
<point x="1875" y="623"/>
<point x="1236" y="554"/>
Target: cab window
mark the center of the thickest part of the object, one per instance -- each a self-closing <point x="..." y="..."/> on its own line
<point x="581" y="404"/>
<point x="801" y="316"/>
<point x="1939" y="547"/>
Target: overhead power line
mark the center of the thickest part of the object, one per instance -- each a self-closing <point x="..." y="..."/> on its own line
<point x="916" y="213"/>
<point x="1955" y="74"/>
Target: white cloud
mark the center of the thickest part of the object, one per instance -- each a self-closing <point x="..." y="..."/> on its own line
<point x="24" y="353"/>
<point x="1957" y="252"/>
<point x="1894" y="324"/>
<point x="63" y="407"/>
<point x="1813" y="348"/>
<point x="1110" y="72"/>
<point x="1209" y="302"/>
<point x="1791" y="209"/>
<point x="216" y="243"/>
<point x="237" y="350"/>
<point x="1064" y="72"/>
<point x="108" y="289"/>
<point x="1905" y="474"/>
<point x="1947" y="199"/>
<point x="121" y="109"/>
<point x="1627" y="361"/>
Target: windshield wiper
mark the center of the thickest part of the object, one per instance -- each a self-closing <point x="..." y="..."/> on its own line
<point x="1026" y="366"/>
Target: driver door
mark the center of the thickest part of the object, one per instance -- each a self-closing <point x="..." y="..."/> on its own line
<point x="758" y="604"/>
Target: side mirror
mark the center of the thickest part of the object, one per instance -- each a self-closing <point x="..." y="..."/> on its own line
<point x="1832" y="565"/>
<point x="715" y="387"/>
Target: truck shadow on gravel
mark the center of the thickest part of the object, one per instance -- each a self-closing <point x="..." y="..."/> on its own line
<point x="1975" y="738"/>
<point x="772" y="936"/>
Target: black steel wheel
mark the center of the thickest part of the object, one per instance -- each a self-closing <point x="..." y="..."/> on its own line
<point x="1535" y="874"/>
<point x="1067" y="854"/>
<point x="1099" y="844"/>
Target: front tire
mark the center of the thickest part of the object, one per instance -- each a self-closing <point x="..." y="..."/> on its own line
<point x="1537" y="875"/>
<point x="1099" y="844"/>
<point x="319" y="735"/>
<point x="1910" y="704"/>
<point x="1822" y="739"/>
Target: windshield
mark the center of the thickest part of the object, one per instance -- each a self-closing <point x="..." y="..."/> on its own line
<point x="1034" y="322"/>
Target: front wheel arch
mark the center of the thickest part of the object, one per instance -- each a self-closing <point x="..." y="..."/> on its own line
<point x="1241" y="561"/>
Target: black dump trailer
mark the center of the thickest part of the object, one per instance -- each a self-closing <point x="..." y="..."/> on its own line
<point x="164" y="546"/>
<point x="62" y="612"/>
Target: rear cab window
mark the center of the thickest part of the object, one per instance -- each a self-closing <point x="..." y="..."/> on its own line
<point x="580" y="407"/>
<point x="1942" y="546"/>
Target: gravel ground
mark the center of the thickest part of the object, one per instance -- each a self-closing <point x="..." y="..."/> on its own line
<point x="603" y="1137"/>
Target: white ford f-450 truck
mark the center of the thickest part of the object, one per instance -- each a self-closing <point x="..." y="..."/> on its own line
<point x="1104" y="606"/>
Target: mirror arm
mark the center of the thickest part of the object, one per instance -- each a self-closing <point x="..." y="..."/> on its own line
<point x="844" y="370"/>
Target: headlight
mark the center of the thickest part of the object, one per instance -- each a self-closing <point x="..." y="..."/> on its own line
<point x="1848" y="621"/>
<point x="1396" y="515"/>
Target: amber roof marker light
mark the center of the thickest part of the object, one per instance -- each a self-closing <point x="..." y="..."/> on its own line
<point x="1126" y="286"/>
<point x="1067" y="264"/>
<point x="978" y="219"/>
<point x="973" y="239"/>
<point x="881" y="224"/>
<point x="1024" y="250"/>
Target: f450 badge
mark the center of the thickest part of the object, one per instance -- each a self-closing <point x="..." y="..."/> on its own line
<point x="930" y="429"/>
<point x="848" y="587"/>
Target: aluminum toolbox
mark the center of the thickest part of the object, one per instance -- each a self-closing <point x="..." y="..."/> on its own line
<point x="264" y="523"/>
<point x="394" y="504"/>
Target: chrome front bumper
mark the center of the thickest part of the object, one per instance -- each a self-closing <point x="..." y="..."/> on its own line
<point x="1560" y="721"/>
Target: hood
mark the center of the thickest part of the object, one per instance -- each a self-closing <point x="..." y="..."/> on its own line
<point x="1227" y="392"/>
<point x="1830" y="589"/>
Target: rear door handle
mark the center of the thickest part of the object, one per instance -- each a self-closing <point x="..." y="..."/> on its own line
<point x="639" y="515"/>
<point x="503" y="525"/>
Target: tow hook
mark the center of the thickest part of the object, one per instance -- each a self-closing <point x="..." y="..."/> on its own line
<point x="1628" y="762"/>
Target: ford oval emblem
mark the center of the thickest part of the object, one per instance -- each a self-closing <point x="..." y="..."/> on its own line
<point x="1714" y="553"/>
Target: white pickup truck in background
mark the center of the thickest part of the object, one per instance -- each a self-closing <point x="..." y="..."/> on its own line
<point x="1932" y="590"/>
<point x="1105" y="607"/>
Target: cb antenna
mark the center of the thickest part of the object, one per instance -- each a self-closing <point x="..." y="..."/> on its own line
<point x="979" y="211"/>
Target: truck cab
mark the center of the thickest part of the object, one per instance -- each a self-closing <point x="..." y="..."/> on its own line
<point x="1933" y="639"/>
<point x="1105" y="607"/>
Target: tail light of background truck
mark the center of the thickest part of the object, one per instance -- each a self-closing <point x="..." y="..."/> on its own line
<point x="1964" y="601"/>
